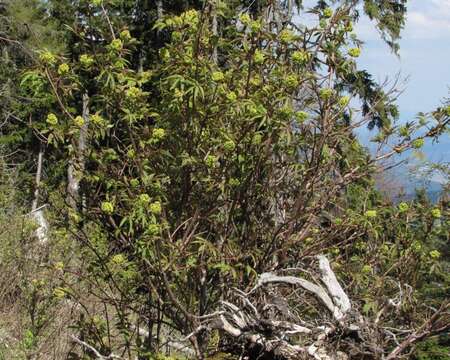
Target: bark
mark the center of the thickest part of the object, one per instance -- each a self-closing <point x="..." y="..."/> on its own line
<point x="214" y="30"/>
<point x="76" y="167"/>
<point x="43" y="227"/>
<point x="159" y="9"/>
<point x="38" y="179"/>
<point x="38" y="213"/>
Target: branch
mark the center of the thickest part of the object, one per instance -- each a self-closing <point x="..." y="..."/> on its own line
<point x="318" y="291"/>
<point x="425" y="330"/>
<point x="340" y="298"/>
<point x="172" y="343"/>
<point x="94" y="350"/>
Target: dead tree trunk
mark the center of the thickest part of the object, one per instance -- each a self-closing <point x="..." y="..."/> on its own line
<point x="76" y="167"/>
<point x="38" y="179"/>
<point x="159" y="9"/>
<point x="215" y="31"/>
<point x="38" y="213"/>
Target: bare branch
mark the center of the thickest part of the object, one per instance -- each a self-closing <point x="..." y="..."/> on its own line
<point x="340" y="298"/>
<point x="94" y="350"/>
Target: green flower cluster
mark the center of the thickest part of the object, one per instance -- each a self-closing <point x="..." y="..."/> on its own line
<point x="233" y="182"/>
<point x="416" y="246"/>
<point x="155" y="208"/>
<point x="59" y="265"/>
<point x="144" y="198"/>
<point x="231" y="96"/>
<point x="354" y="52"/>
<point x="327" y="12"/>
<point x="418" y="143"/>
<point x="118" y="259"/>
<point x="255" y="80"/>
<point x="301" y="116"/>
<point x="153" y="229"/>
<point x="257" y="139"/>
<point x="255" y="26"/>
<point x="245" y="19"/>
<point x="158" y="134"/>
<point x="97" y="119"/>
<point x="63" y="69"/>
<point x="286" y="112"/>
<point x="326" y="93"/>
<point x="258" y="57"/>
<point x="131" y="154"/>
<point x="116" y="44"/>
<point x="402" y="207"/>
<point x="286" y="36"/>
<point x="78" y="121"/>
<point x="229" y="145"/>
<point x="436" y="213"/>
<point x="370" y="214"/>
<point x="291" y="81"/>
<point x="51" y="119"/>
<point x="211" y="161"/>
<point x="125" y="34"/>
<point x="59" y="293"/>
<point x="403" y="131"/>
<point x="349" y="27"/>
<point x="86" y="61"/>
<point x="133" y="92"/>
<point x="176" y="36"/>
<point x="435" y="254"/>
<point x="107" y="207"/>
<point x="217" y="76"/>
<point x="300" y="57"/>
<point x="189" y="17"/>
<point x="47" y="58"/>
<point x="344" y="101"/>
<point x="178" y="94"/>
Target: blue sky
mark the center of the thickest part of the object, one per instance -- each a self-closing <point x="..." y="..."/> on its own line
<point x="424" y="54"/>
<point x="423" y="65"/>
<point x="423" y="62"/>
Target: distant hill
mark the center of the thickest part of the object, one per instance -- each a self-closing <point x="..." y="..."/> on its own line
<point x="401" y="186"/>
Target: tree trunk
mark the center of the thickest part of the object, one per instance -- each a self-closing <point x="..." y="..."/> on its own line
<point x="38" y="213"/>
<point x="77" y="163"/>
<point x="159" y="9"/>
<point x="214" y="29"/>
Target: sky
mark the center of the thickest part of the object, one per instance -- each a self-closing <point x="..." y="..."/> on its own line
<point x="423" y="66"/>
<point x="423" y="62"/>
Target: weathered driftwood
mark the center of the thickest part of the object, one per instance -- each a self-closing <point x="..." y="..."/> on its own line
<point x="338" y="332"/>
<point x="239" y="322"/>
